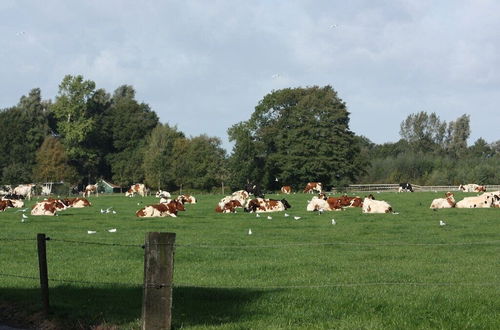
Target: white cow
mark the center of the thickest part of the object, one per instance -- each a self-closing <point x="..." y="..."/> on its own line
<point x="444" y="203"/>
<point x="471" y="187"/>
<point x="163" y="194"/>
<point x="374" y="206"/>
<point x="24" y="190"/>
<point x="483" y="201"/>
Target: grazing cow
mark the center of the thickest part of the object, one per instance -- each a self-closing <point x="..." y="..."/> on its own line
<point x="161" y="210"/>
<point x="163" y="194"/>
<point x="472" y="187"/>
<point x="483" y="201"/>
<point x="77" y="202"/>
<point x="254" y="189"/>
<point x="47" y="207"/>
<point x="259" y="205"/>
<point x="137" y="188"/>
<point x="444" y="203"/>
<point x="311" y="187"/>
<point x="229" y="207"/>
<point x="90" y="189"/>
<point x="15" y="202"/>
<point x="371" y="205"/>
<point x="286" y="190"/>
<point x="186" y="199"/>
<point x="4" y="204"/>
<point x="405" y="187"/>
<point x="24" y="190"/>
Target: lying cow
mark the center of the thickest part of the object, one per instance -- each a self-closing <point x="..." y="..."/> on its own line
<point x="370" y="205"/>
<point x="77" y="202"/>
<point x="161" y="210"/>
<point x="4" y="204"/>
<point x="138" y="188"/>
<point x="311" y="187"/>
<point x="405" y="187"/>
<point x="15" y="202"/>
<point x="472" y="187"/>
<point x="48" y="207"/>
<point x="444" y="203"/>
<point x="286" y="190"/>
<point x="260" y="205"/>
<point x="163" y="194"/>
<point x="229" y="207"/>
<point x="186" y="199"/>
<point x="483" y="201"/>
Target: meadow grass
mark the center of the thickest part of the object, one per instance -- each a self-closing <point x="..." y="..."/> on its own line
<point x="369" y="271"/>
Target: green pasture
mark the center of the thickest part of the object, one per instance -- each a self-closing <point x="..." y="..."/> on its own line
<point x="369" y="271"/>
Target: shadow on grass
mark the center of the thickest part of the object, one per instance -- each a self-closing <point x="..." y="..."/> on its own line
<point x="82" y="308"/>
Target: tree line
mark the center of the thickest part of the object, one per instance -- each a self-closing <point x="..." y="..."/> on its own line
<point x="295" y="135"/>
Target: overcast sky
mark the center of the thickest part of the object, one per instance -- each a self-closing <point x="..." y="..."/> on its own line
<point x="204" y="65"/>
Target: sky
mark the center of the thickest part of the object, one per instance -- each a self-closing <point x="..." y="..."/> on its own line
<point x="204" y="65"/>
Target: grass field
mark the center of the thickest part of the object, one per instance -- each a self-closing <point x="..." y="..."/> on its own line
<point x="377" y="271"/>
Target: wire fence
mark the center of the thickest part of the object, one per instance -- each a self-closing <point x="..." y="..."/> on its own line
<point x="55" y="278"/>
<point x="374" y="187"/>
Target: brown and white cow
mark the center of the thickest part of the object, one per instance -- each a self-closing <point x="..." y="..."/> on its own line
<point x="186" y="199"/>
<point x="77" y="202"/>
<point x="370" y="205"/>
<point x="286" y="190"/>
<point x="47" y="207"/>
<point x="472" y="187"/>
<point x="90" y="189"/>
<point x="259" y="205"/>
<point x="229" y="207"/>
<point x="311" y="187"/>
<point x="161" y="210"/>
<point x="138" y="188"/>
<point x="4" y="204"/>
<point x="15" y="202"/>
<point x="444" y="203"/>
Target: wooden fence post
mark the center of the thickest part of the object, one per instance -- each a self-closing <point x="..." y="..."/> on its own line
<point x="44" y="278"/>
<point x="158" y="276"/>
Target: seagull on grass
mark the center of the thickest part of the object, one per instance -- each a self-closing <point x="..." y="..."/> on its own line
<point x="334" y="222"/>
<point x="112" y="230"/>
<point x="269" y="217"/>
<point x="442" y="223"/>
<point x="249" y="231"/>
<point x="91" y="232"/>
<point x="257" y="215"/>
<point x="287" y="215"/>
<point x="296" y="218"/>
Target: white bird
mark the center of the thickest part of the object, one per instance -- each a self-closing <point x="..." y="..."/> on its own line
<point x="91" y="231"/>
<point x="320" y="211"/>
<point x="23" y="220"/>
<point x="276" y="179"/>
<point x="442" y="223"/>
<point x="114" y="212"/>
<point x="249" y="231"/>
<point x="257" y="215"/>
<point x="269" y="217"/>
<point x="112" y="230"/>
<point x="334" y="222"/>
<point x="296" y="218"/>
<point x="102" y="211"/>
<point x="23" y="210"/>
<point x="138" y="203"/>
<point x="287" y="215"/>
<point x="25" y="216"/>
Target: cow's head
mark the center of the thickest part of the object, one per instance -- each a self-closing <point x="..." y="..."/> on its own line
<point x="286" y="204"/>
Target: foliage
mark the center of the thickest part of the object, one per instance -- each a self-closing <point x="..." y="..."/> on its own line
<point x="52" y="163"/>
<point x="297" y="135"/>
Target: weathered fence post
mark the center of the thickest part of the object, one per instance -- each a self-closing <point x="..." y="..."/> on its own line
<point x="44" y="278"/>
<point x="158" y="276"/>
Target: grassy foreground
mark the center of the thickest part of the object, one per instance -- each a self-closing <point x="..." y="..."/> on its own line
<point x="389" y="271"/>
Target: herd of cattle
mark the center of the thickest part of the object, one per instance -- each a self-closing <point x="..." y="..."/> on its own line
<point x="250" y="200"/>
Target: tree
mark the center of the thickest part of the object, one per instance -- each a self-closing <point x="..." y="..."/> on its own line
<point x="159" y="156"/>
<point x="423" y="131"/>
<point x="24" y="128"/>
<point x="52" y="163"/>
<point x="297" y="135"/>
<point x="458" y="133"/>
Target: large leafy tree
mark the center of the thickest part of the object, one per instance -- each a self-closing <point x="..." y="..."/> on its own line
<point x="24" y="128"/>
<point x="423" y="131"/>
<point x="297" y="135"/>
<point x="52" y="163"/>
<point x="159" y="156"/>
